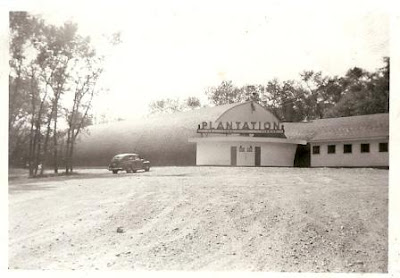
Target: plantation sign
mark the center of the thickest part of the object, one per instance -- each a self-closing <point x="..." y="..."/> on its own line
<point x="241" y="127"/>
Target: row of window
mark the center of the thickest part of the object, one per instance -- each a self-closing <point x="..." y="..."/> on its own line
<point x="348" y="148"/>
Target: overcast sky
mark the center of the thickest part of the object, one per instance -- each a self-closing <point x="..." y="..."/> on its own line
<point x="178" y="49"/>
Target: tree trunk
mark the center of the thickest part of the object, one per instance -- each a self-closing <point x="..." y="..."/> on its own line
<point x="55" y="151"/>
<point x="38" y="160"/>
<point x="67" y="151"/>
<point x="71" y="156"/>
<point x="46" y="140"/>
<point x="32" y="135"/>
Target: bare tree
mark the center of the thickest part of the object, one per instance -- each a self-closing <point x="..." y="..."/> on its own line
<point x="47" y="64"/>
<point x="78" y="116"/>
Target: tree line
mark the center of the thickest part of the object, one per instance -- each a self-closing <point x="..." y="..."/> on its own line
<point x="53" y="79"/>
<point x="313" y="96"/>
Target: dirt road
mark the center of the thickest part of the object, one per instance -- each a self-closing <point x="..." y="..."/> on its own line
<point x="202" y="218"/>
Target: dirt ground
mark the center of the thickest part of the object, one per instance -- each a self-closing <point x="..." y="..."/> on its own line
<point x="202" y="218"/>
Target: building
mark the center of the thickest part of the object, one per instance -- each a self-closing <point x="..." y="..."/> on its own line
<point x="244" y="134"/>
<point x="357" y="141"/>
<point x="249" y="135"/>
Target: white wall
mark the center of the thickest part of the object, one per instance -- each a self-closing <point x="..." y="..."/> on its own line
<point x="274" y="154"/>
<point x="219" y="153"/>
<point x="213" y="153"/>
<point x="354" y="159"/>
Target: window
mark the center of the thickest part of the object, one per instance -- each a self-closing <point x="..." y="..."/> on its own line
<point x="331" y="148"/>
<point x="383" y="147"/>
<point x="315" y="149"/>
<point x="347" y="148"/>
<point x="365" y="148"/>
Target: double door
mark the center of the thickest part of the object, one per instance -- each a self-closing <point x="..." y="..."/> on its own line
<point x="255" y="162"/>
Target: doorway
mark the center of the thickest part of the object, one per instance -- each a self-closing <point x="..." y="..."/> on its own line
<point x="303" y="156"/>
<point x="257" y="156"/>
<point x="233" y="155"/>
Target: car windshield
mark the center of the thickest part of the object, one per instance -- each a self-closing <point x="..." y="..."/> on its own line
<point x="118" y="157"/>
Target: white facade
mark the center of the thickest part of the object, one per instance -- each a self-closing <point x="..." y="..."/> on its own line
<point x="355" y="158"/>
<point x="242" y="151"/>
<point x="274" y="154"/>
<point x="253" y="136"/>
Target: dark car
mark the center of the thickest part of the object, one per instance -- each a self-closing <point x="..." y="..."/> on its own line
<point x="129" y="162"/>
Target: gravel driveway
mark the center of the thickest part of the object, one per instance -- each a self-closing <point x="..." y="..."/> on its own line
<point x="202" y="218"/>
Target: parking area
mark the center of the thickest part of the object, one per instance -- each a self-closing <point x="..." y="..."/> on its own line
<point x="201" y="218"/>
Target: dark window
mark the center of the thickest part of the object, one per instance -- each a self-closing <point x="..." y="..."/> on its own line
<point x="315" y="149"/>
<point x="383" y="147"/>
<point x="365" y="148"/>
<point x="347" y="148"/>
<point x="331" y="148"/>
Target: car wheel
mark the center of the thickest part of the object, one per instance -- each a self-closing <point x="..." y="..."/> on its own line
<point x="115" y="171"/>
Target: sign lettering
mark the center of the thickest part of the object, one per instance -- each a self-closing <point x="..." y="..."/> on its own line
<point x="241" y="127"/>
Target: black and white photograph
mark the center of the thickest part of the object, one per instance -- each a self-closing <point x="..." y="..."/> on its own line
<point x="192" y="136"/>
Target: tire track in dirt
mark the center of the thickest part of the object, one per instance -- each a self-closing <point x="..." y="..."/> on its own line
<point x="194" y="218"/>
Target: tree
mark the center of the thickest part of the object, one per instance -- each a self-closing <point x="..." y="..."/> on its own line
<point x="225" y="93"/>
<point x="315" y="95"/>
<point x="363" y="92"/>
<point x="48" y="63"/>
<point x="167" y="105"/>
<point x="24" y="90"/>
<point x="192" y="103"/>
<point x="87" y="75"/>
<point x="172" y="105"/>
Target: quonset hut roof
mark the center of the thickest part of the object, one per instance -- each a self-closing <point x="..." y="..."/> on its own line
<point x="163" y="139"/>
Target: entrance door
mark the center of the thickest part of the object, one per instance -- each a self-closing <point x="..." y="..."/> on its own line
<point x="257" y="156"/>
<point x="233" y="156"/>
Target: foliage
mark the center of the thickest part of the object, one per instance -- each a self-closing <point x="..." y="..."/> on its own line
<point x="315" y="95"/>
<point x="363" y="93"/>
<point x="225" y="93"/>
<point x="172" y="105"/>
<point x="49" y="65"/>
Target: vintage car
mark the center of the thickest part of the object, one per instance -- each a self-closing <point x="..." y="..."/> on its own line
<point x="129" y="162"/>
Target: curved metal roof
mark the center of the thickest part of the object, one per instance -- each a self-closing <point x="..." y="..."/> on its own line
<point x="164" y="139"/>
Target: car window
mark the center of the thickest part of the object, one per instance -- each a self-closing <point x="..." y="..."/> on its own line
<point x="117" y="157"/>
<point x="120" y="157"/>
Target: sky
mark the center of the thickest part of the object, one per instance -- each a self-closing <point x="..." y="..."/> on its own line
<point x="179" y="49"/>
